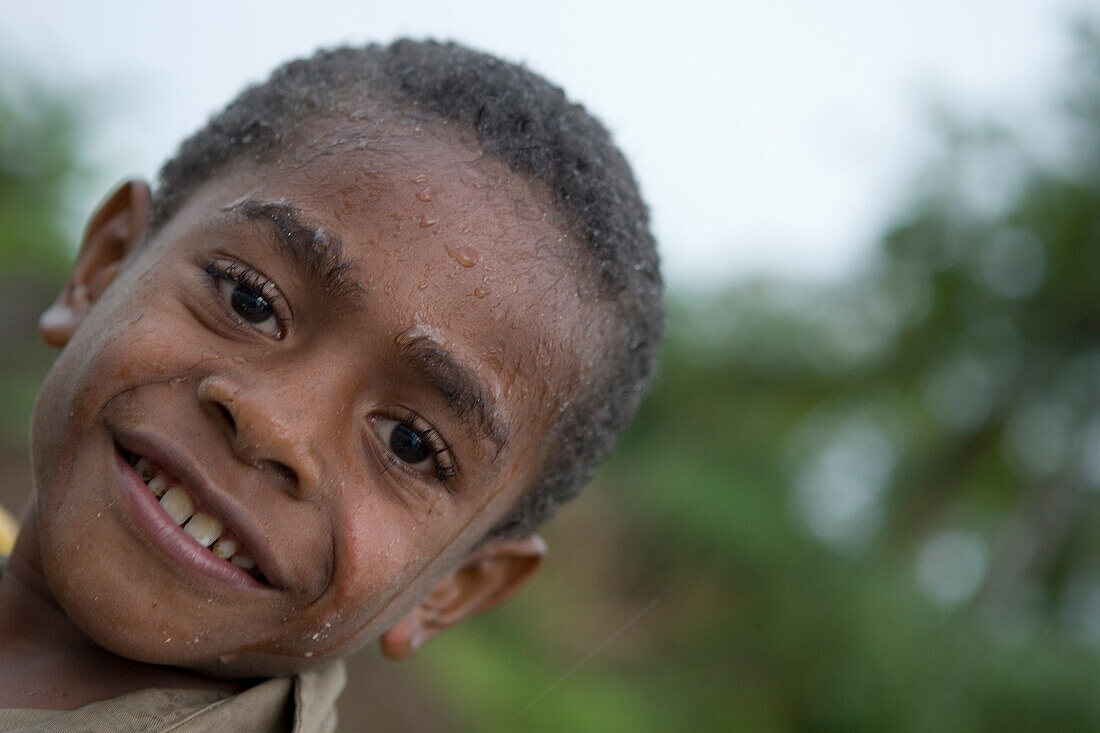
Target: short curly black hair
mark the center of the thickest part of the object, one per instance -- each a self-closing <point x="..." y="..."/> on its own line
<point x="529" y="124"/>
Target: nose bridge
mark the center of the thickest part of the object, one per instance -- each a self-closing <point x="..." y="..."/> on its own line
<point x="274" y="417"/>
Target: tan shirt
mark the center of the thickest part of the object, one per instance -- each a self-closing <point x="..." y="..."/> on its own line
<point x="305" y="703"/>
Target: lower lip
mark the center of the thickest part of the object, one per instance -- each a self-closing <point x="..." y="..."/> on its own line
<point x="170" y="538"/>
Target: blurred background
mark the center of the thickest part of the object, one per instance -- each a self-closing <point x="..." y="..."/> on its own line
<point x="865" y="492"/>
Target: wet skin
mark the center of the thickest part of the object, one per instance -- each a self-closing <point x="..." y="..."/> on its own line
<point x="440" y="300"/>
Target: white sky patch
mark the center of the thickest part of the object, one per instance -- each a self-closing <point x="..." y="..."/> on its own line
<point x="768" y="137"/>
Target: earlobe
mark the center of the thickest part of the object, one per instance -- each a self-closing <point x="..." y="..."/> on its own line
<point x="485" y="578"/>
<point x="116" y="229"/>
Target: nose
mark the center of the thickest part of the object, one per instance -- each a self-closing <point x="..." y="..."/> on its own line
<point x="266" y="429"/>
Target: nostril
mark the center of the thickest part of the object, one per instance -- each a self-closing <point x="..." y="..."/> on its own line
<point x="256" y="439"/>
<point x="222" y="412"/>
<point x="283" y="471"/>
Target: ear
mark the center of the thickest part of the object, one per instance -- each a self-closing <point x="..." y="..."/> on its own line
<point x="116" y="229"/>
<point x="485" y="578"/>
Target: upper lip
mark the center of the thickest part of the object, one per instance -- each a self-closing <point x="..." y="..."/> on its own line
<point x="179" y="464"/>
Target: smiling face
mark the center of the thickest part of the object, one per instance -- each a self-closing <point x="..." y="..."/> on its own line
<point x="344" y="367"/>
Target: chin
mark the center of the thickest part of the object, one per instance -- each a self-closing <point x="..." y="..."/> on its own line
<point x="254" y="665"/>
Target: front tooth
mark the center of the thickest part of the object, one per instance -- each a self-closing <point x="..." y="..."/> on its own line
<point x="177" y="502"/>
<point x="244" y="562"/>
<point x="204" y="528"/>
<point x="158" y="485"/>
<point x="144" y="468"/>
<point x="224" y="548"/>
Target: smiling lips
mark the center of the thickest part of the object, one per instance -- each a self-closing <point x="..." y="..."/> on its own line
<point x="205" y="529"/>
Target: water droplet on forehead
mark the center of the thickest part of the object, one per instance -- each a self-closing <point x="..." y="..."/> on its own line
<point x="425" y="195"/>
<point x="481" y="292"/>
<point x="465" y="256"/>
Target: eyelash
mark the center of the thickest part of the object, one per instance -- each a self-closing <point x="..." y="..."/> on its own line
<point x="446" y="469"/>
<point x="258" y="283"/>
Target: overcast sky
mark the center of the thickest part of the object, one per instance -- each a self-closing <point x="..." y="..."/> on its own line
<point x="769" y="137"/>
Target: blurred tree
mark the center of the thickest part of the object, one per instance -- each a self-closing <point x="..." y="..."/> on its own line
<point x="861" y="507"/>
<point x="39" y="169"/>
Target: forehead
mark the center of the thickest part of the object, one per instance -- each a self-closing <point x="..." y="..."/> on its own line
<point x="421" y="195"/>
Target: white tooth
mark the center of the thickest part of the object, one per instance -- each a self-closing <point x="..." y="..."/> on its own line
<point x="158" y="485"/>
<point x="244" y="562"/>
<point x="204" y="528"/>
<point x="177" y="502"/>
<point x="144" y="468"/>
<point x="224" y="548"/>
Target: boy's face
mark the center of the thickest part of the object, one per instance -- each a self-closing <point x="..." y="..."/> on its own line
<point x="356" y="408"/>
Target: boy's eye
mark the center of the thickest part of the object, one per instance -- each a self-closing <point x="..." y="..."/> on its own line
<point x="408" y="445"/>
<point x="249" y="305"/>
<point x="253" y="297"/>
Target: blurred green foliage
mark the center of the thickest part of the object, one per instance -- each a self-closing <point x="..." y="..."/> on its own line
<point x="39" y="172"/>
<point x="863" y="506"/>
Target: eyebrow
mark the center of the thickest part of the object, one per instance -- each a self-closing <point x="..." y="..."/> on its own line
<point x="466" y="395"/>
<point x="319" y="251"/>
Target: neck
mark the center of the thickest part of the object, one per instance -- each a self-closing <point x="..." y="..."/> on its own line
<point x="47" y="662"/>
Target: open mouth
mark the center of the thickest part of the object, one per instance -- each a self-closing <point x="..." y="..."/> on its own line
<point x="205" y="529"/>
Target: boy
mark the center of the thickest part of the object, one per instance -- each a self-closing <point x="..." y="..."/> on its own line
<point x="381" y="315"/>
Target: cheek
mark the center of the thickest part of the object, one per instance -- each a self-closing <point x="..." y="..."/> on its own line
<point x="374" y="585"/>
<point x="122" y="343"/>
<point x="135" y="335"/>
<point x="375" y="559"/>
<point x="384" y="554"/>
